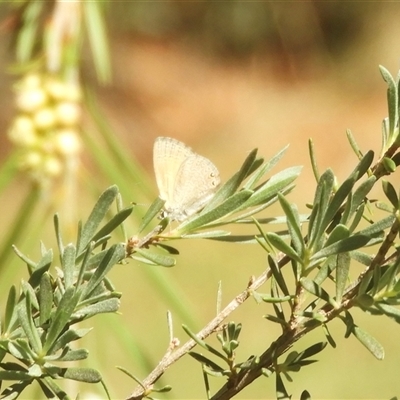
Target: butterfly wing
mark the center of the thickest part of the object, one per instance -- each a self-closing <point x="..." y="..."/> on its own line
<point x="168" y="156"/>
<point x="196" y="182"/>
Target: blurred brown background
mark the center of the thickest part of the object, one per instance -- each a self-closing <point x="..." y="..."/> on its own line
<point x="225" y="78"/>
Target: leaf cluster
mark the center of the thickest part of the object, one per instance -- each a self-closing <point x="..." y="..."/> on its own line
<point x="39" y="325"/>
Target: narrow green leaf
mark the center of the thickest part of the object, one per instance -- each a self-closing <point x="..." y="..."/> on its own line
<point x="154" y="258"/>
<point x="68" y="264"/>
<point x="336" y="203"/>
<point x="313" y="158"/>
<point x="392" y="99"/>
<point x="369" y="342"/>
<point x="342" y="246"/>
<point x="339" y="232"/>
<point x="378" y="227"/>
<point x="311" y="351"/>
<point x="74" y="355"/>
<point x="56" y="221"/>
<point x="45" y="298"/>
<point x="363" y="165"/>
<point x="42" y="266"/>
<point x="342" y="274"/>
<point x="113" y="256"/>
<point x="202" y="343"/>
<point x="281" y="392"/>
<point x="328" y="336"/>
<point x="113" y="223"/>
<point x="293" y="222"/>
<point x="390" y="311"/>
<point x="105" y="306"/>
<point x="227" y="207"/>
<point x="61" y="317"/>
<point x="270" y="189"/>
<point x="69" y="336"/>
<point x="87" y="375"/>
<point x="265" y="169"/>
<point x="96" y="216"/>
<point x="353" y="144"/>
<point x="317" y="290"/>
<point x="154" y="210"/>
<point x="321" y="199"/>
<point x="204" y="360"/>
<point x="390" y="193"/>
<point x="282" y="246"/>
<point x="277" y="274"/>
<point x="232" y="184"/>
<point x="28" y="325"/>
<point x="361" y="192"/>
<point x="305" y="395"/>
<point x="10" y="309"/>
<point x="96" y="30"/>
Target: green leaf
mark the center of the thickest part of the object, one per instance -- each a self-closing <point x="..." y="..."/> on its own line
<point x="206" y="361"/>
<point x="281" y="393"/>
<point x="68" y="264"/>
<point x="390" y="193"/>
<point x="282" y="246"/>
<point x="61" y="317"/>
<point x="202" y="343"/>
<point x="10" y="309"/>
<point x="28" y="325"/>
<point x="105" y="306"/>
<point x="42" y="266"/>
<point x="390" y="311"/>
<point x="265" y="169"/>
<point x="154" y="210"/>
<point x="336" y="202"/>
<point x="113" y="255"/>
<point x="339" y="232"/>
<point x="369" y="342"/>
<point x="96" y="216"/>
<point x="74" y="355"/>
<point x="361" y="192"/>
<point x="305" y="395"/>
<point x="388" y="164"/>
<point x="96" y="30"/>
<point x="87" y="375"/>
<point x="378" y="227"/>
<point x="392" y="99"/>
<point x="277" y="274"/>
<point x="45" y="298"/>
<point x="113" y="223"/>
<point x="69" y="336"/>
<point x="317" y="290"/>
<point x="342" y="246"/>
<point x="321" y="199"/>
<point x="227" y="207"/>
<point x="313" y="158"/>
<point x="232" y="184"/>
<point x="342" y="274"/>
<point x="293" y="222"/>
<point x="270" y="189"/>
<point x="363" y="165"/>
<point x="153" y="258"/>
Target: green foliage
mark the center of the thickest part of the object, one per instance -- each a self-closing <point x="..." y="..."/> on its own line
<point x="39" y="321"/>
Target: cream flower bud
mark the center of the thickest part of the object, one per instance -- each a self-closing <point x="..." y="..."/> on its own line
<point x="60" y="90"/>
<point x="22" y="131"/>
<point x="52" y="166"/>
<point x="44" y="118"/>
<point x="68" y="113"/>
<point x="32" y="160"/>
<point x="67" y="142"/>
<point x="31" y="100"/>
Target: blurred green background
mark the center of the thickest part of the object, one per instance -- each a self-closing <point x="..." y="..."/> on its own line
<point x="224" y="77"/>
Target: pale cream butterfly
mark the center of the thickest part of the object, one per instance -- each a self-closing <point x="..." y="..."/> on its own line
<point x="185" y="180"/>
